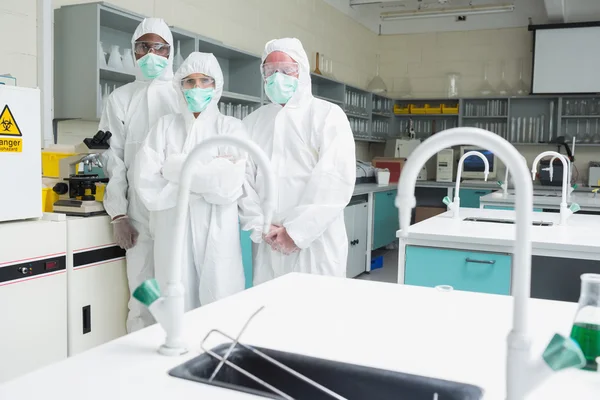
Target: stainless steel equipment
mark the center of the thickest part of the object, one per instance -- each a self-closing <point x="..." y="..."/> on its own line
<point x="594" y="174"/>
<point x="445" y="166"/>
<point x="400" y="148"/>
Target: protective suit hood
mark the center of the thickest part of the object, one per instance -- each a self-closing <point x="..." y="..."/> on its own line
<point x="200" y="63"/>
<point x="293" y="48"/>
<point x="159" y="27"/>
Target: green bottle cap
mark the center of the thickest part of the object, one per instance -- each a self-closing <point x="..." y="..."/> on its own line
<point x="563" y="353"/>
<point x="147" y="293"/>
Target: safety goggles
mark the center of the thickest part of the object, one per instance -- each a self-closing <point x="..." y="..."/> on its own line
<point x="203" y="82"/>
<point x="161" y="49"/>
<point x="287" y="68"/>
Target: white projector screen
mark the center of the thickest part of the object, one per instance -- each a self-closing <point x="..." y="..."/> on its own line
<point x="566" y="60"/>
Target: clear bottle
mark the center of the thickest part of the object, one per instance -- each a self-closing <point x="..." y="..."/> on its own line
<point x="586" y="326"/>
<point x="101" y="56"/>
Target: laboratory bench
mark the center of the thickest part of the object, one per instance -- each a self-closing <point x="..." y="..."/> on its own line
<point x="544" y="200"/>
<point x="477" y="256"/>
<point x="464" y="332"/>
<point x="372" y="209"/>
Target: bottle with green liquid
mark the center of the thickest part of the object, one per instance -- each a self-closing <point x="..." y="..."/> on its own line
<point x="586" y="327"/>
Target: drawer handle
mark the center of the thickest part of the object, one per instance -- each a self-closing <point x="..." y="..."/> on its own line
<point x="489" y="262"/>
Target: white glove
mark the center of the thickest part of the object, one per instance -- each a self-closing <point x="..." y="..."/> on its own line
<point x="172" y="167"/>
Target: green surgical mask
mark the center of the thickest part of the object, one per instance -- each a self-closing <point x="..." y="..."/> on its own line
<point x="152" y="65"/>
<point x="281" y="87"/>
<point x="198" y="99"/>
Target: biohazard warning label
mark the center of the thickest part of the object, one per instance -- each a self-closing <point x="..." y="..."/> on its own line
<point x="8" y="124"/>
<point x="10" y="134"/>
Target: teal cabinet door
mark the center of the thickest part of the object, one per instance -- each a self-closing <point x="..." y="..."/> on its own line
<point x="469" y="198"/>
<point x="246" y="256"/>
<point x="507" y="208"/>
<point x="385" y="219"/>
<point x="462" y="269"/>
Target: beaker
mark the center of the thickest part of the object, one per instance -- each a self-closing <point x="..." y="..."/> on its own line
<point x="586" y="326"/>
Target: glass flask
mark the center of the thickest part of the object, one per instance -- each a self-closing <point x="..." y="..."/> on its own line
<point x="486" y="88"/>
<point x="178" y="60"/>
<point x="101" y="56"/>
<point x="503" y="88"/>
<point x="522" y="88"/>
<point x="114" y="60"/>
<point x="129" y="62"/>
<point x="586" y="326"/>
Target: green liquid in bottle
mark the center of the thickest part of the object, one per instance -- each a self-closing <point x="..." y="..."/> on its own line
<point x="588" y="337"/>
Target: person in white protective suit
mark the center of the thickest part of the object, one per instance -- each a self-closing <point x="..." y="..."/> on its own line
<point x="310" y="144"/>
<point x="212" y="266"/>
<point x="129" y="114"/>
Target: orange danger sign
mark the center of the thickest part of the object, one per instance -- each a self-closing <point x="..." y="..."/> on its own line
<point x="8" y="124"/>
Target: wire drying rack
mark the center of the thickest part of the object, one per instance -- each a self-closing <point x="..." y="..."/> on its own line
<point x="223" y="360"/>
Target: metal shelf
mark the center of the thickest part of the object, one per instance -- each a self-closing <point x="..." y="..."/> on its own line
<point x="243" y="98"/>
<point x="378" y="114"/>
<point x="428" y="115"/>
<point x="339" y="102"/>
<point x="371" y="140"/>
<point x="114" y="75"/>
<point x="579" y="116"/>
<point x="486" y="117"/>
<point x="350" y="114"/>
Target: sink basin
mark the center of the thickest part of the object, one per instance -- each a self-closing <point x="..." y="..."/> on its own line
<point x="348" y="380"/>
<point x="505" y="221"/>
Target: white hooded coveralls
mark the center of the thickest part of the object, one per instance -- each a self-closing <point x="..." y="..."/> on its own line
<point x="129" y="114"/>
<point x="212" y="267"/>
<point x="311" y="148"/>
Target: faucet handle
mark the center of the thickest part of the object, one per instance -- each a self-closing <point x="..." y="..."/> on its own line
<point x="446" y="200"/>
<point x="147" y="293"/>
<point x="562" y="353"/>
<point x="574" y="207"/>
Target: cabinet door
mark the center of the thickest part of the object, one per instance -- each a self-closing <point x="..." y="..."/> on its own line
<point x="469" y="198"/>
<point x="246" y="243"/>
<point x="358" y="242"/>
<point x="463" y="270"/>
<point x="349" y="221"/>
<point x="385" y="219"/>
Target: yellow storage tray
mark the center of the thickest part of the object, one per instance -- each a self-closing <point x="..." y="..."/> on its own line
<point x="50" y="163"/>
<point x="433" y="110"/>
<point x="418" y="109"/>
<point x="401" y="109"/>
<point x="449" y="109"/>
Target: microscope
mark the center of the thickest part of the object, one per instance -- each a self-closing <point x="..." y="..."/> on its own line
<point x="77" y="192"/>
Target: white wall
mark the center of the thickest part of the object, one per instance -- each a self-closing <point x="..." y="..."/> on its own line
<point x="426" y="58"/>
<point x="18" y="32"/>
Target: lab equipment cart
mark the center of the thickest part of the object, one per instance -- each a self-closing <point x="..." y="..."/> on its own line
<point x="33" y="296"/>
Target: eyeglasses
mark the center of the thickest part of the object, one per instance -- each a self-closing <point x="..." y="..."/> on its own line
<point x="287" y="68"/>
<point x="204" y="82"/>
<point x="161" y="49"/>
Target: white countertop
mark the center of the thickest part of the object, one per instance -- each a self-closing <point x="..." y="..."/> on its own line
<point x="577" y="239"/>
<point x="364" y="188"/>
<point x="458" y="336"/>
<point x="586" y="200"/>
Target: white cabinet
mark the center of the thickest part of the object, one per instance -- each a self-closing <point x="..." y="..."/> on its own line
<point x="355" y="216"/>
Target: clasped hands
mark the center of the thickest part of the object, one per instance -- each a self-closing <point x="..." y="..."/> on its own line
<point x="280" y="240"/>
